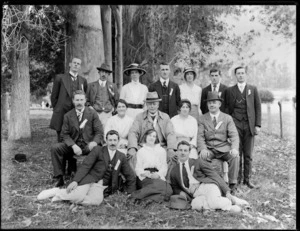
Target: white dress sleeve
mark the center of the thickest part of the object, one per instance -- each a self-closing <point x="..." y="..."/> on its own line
<point x="139" y="167"/>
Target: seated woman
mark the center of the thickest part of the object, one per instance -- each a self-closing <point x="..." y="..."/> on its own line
<point x="121" y="123"/>
<point x="151" y="170"/>
<point x="186" y="126"/>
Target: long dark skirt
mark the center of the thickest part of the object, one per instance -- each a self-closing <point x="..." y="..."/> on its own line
<point x="153" y="189"/>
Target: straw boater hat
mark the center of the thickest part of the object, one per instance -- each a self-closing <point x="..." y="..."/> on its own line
<point x="179" y="202"/>
<point x="134" y="66"/>
<point x="189" y="69"/>
<point x="213" y="96"/>
<point x="104" y="67"/>
<point x="152" y="97"/>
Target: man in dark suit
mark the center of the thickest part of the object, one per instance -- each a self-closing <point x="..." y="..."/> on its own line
<point x="62" y="92"/>
<point x="243" y="104"/>
<point x="105" y="163"/>
<point x="102" y="95"/>
<point x="216" y="85"/>
<point x="191" y="178"/>
<point x="81" y="132"/>
<point x="167" y="90"/>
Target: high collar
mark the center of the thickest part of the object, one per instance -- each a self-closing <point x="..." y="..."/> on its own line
<point x="217" y="115"/>
<point x="73" y="74"/>
<point x="164" y="80"/>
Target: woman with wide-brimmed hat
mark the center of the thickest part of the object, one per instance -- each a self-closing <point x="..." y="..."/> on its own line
<point x="189" y="90"/>
<point x="134" y="93"/>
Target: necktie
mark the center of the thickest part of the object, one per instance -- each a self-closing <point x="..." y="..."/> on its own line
<point x="214" y="121"/>
<point x="79" y="115"/>
<point x="165" y="84"/>
<point x="214" y="88"/>
<point x="73" y="78"/>
<point x="185" y="177"/>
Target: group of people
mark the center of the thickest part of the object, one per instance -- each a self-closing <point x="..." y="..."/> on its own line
<point x="153" y="143"/>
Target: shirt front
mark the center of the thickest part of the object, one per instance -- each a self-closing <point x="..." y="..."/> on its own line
<point x="111" y="153"/>
<point x="164" y="80"/>
<point x="216" y="115"/>
<point x="73" y="74"/>
<point x="102" y="83"/>
<point x="241" y="86"/>
<point x="192" y="180"/>
<point x="217" y="87"/>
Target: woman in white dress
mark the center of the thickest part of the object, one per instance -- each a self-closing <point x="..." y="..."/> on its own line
<point x="121" y="123"/>
<point x="186" y="126"/>
<point x="189" y="90"/>
<point x="151" y="170"/>
<point x="134" y="93"/>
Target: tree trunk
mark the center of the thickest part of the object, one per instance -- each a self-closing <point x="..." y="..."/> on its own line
<point x="117" y="12"/>
<point x="106" y="25"/>
<point x="269" y="118"/>
<point x="19" y="124"/>
<point x="86" y="38"/>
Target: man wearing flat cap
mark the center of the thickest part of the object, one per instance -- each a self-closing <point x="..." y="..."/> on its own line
<point x="102" y="95"/>
<point x="134" y="93"/>
<point x="215" y="131"/>
<point x="152" y="118"/>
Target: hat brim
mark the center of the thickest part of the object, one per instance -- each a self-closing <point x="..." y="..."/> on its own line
<point x="127" y="71"/>
<point x="206" y="100"/>
<point x="101" y="69"/>
<point x="152" y="100"/>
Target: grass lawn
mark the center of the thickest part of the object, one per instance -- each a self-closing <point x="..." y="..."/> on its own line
<point x="272" y="206"/>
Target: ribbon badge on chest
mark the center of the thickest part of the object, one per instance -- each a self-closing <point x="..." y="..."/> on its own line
<point x="218" y="125"/>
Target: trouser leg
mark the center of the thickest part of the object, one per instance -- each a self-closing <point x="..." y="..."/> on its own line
<point x="248" y="150"/>
<point x="233" y="168"/>
<point x="59" y="152"/>
<point x="240" y="130"/>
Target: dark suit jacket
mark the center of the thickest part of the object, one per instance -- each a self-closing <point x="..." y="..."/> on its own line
<point x="253" y="104"/>
<point x="92" y="92"/>
<point x="203" y="172"/>
<point x="96" y="163"/>
<point x="205" y="91"/>
<point x="174" y="98"/>
<point x="61" y="98"/>
<point x="92" y="131"/>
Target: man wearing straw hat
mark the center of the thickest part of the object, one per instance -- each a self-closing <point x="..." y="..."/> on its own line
<point x="152" y="118"/>
<point x="134" y="93"/>
<point x="215" y="129"/>
<point x="102" y="95"/>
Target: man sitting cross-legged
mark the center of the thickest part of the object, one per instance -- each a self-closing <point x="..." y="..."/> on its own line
<point x="81" y="132"/>
<point x="98" y="175"/>
<point x="218" y="138"/>
<point x="199" y="183"/>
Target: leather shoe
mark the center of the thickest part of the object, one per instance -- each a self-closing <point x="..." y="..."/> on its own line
<point x="233" y="189"/>
<point x="60" y="181"/>
<point x="250" y="185"/>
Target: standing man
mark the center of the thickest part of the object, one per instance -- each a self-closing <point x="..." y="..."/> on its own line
<point x="102" y="95"/>
<point x="215" y="129"/>
<point x="81" y="132"/>
<point x="216" y="85"/>
<point x="62" y="93"/>
<point x="167" y="90"/>
<point x="243" y="104"/>
<point x="134" y="93"/>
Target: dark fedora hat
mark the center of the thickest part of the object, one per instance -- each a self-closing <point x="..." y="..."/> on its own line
<point x="134" y="66"/>
<point x="179" y="202"/>
<point x="104" y="67"/>
<point x="152" y="97"/>
<point x="20" y="157"/>
<point x="213" y="95"/>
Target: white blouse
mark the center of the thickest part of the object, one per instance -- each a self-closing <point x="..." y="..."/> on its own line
<point x="193" y="94"/>
<point x="186" y="127"/>
<point x="151" y="157"/>
<point x="134" y="93"/>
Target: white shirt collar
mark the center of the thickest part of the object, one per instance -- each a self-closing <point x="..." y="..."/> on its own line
<point x="78" y="111"/>
<point x="73" y="74"/>
<point x="100" y="82"/>
<point x="111" y="153"/>
<point x="217" y="115"/>
<point x="164" y="80"/>
<point x="217" y="86"/>
<point x="241" y="84"/>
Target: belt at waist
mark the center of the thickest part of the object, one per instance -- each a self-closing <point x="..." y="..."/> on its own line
<point x="135" y="105"/>
<point x="184" y="138"/>
<point x="151" y="169"/>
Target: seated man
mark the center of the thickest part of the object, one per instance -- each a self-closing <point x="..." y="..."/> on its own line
<point x="199" y="183"/>
<point x="99" y="171"/>
<point x="121" y="123"/>
<point x="152" y="118"/>
<point x="81" y="132"/>
<point x="215" y="128"/>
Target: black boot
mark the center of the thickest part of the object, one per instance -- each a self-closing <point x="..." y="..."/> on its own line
<point x="60" y="181"/>
<point x="233" y="189"/>
<point x="250" y="185"/>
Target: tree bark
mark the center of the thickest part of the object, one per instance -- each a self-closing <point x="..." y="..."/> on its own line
<point x="19" y="123"/>
<point x="106" y="25"/>
<point x="117" y="12"/>
<point x="86" y="38"/>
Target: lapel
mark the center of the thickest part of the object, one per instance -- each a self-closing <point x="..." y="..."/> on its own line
<point x="81" y="82"/>
<point x="67" y="82"/>
<point x="158" y="88"/>
<point x="74" y="119"/>
<point x="208" y="120"/>
<point x="170" y="88"/>
<point x="247" y="89"/>
<point x="105" y="155"/>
